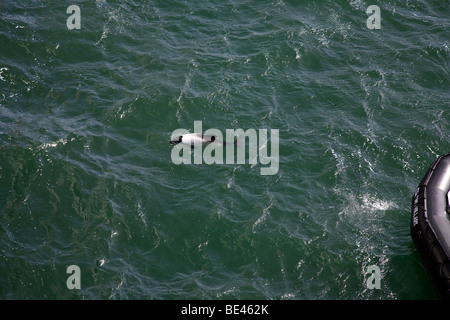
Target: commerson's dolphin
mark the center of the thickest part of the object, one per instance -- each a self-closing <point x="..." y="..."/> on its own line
<point x="197" y="138"/>
<point x="235" y="152"/>
<point x="193" y="138"/>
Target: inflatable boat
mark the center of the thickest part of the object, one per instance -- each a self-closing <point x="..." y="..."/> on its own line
<point x="430" y="223"/>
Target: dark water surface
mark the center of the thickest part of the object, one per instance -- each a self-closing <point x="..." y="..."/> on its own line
<point x="86" y="176"/>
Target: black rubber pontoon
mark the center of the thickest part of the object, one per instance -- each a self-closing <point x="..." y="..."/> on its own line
<point x="430" y="223"/>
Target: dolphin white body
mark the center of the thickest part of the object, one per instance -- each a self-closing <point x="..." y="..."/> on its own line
<point x="193" y="138"/>
<point x="198" y="139"/>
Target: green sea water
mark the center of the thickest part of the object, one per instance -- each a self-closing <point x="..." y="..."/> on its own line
<point x="87" y="179"/>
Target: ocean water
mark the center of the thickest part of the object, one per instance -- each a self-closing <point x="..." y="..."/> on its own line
<point x="87" y="178"/>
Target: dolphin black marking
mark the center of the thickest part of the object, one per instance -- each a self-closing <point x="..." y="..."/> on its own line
<point x="193" y="138"/>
